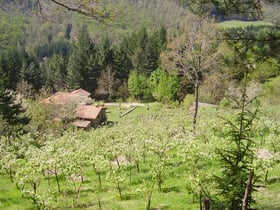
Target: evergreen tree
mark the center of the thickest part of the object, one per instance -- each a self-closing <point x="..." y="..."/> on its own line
<point x="105" y="54"/>
<point x="121" y="60"/>
<point x="12" y="114"/>
<point x="56" y="73"/>
<point x="10" y="65"/>
<point x="153" y="48"/>
<point x="30" y="71"/>
<point x="145" y="49"/>
<point x="237" y="158"/>
<point x="74" y="65"/>
<point x="83" y="68"/>
<point x="138" y="44"/>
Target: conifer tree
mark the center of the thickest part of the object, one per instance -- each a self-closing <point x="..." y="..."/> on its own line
<point x="83" y="67"/>
<point x="237" y="158"/>
<point x="30" y="71"/>
<point x="12" y="114"/>
<point x="56" y="72"/>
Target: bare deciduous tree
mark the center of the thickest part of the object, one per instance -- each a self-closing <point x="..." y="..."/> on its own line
<point x="193" y="52"/>
<point x="107" y="82"/>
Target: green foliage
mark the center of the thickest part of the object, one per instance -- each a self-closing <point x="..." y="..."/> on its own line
<point x="237" y="158"/>
<point x="164" y="86"/>
<point x="83" y="67"/>
<point x="250" y="10"/>
<point x="31" y="72"/>
<point x="242" y="24"/>
<point x="188" y="100"/>
<point x="225" y="102"/>
<point x="10" y="65"/>
<point x="72" y="164"/>
<point x="146" y="48"/>
<point x="272" y="89"/>
<point x="56" y="73"/>
<point x="138" y="86"/>
<point x="17" y="66"/>
<point x="11" y="31"/>
<point x="255" y="48"/>
<point x="60" y="47"/>
<point x="12" y="114"/>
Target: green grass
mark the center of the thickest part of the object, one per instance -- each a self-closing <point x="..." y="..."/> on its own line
<point x="114" y="112"/>
<point x="10" y="196"/>
<point x="175" y="194"/>
<point x="238" y="23"/>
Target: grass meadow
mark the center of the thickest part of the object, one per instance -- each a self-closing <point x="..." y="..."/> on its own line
<point x="189" y="166"/>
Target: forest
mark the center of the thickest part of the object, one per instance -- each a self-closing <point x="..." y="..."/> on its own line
<point x="207" y="77"/>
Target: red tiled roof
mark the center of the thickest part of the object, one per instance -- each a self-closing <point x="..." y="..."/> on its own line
<point x="81" y="92"/>
<point x="88" y="112"/>
<point x="60" y="98"/>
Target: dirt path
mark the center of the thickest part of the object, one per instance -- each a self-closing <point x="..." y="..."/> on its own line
<point x="124" y="104"/>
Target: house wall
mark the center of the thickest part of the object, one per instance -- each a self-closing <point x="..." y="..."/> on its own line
<point x="100" y="118"/>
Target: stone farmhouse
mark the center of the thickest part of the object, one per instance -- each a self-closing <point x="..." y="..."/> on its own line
<point x="77" y="108"/>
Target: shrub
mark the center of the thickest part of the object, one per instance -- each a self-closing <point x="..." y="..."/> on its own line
<point x="188" y="100"/>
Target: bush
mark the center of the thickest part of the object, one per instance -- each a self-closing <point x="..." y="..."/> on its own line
<point x="225" y="102"/>
<point x="272" y="88"/>
<point x="188" y="100"/>
<point x="212" y="90"/>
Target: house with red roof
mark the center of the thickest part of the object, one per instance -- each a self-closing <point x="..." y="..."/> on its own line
<point x="89" y="116"/>
<point x="75" y="105"/>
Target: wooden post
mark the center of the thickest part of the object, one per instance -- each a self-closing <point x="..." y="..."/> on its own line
<point x="247" y="191"/>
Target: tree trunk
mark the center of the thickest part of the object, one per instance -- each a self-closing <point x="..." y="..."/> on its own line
<point x="137" y="167"/>
<point x="247" y="191"/>
<point x="195" y="104"/>
<point x="149" y="197"/>
<point x="99" y="179"/>
<point x="119" y="189"/>
<point x="11" y="174"/>
<point x="57" y="180"/>
<point x="206" y="203"/>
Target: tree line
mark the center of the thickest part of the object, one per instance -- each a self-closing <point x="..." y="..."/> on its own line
<point x="64" y="65"/>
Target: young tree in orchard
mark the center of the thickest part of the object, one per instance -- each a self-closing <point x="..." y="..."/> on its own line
<point x="193" y="52"/>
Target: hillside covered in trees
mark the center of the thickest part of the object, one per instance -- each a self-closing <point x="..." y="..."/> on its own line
<point x="61" y="50"/>
<point x="208" y="73"/>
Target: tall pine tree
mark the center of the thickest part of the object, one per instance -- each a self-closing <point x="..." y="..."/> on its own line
<point x="83" y="68"/>
<point x="12" y="114"/>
